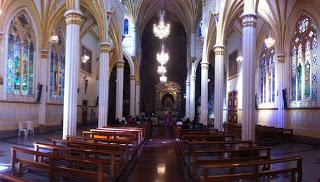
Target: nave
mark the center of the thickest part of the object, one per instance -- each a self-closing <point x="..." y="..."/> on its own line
<point x="161" y="156"/>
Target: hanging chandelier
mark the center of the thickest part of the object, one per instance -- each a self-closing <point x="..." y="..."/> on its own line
<point x="161" y="30"/>
<point x="162" y="70"/>
<point x="163" y="79"/>
<point x="269" y="41"/>
<point x="162" y="57"/>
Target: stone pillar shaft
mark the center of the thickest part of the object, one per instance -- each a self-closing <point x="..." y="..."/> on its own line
<point x="137" y="108"/>
<point x="204" y="93"/>
<point x="43" y="82"/>
<point x="248" y="96"/>
<point x="192" y="97"/>
<point x="187" y="115"/>
<point x="73" y="20"/>
<point x="104" y="84"/>
<point x="119" y="88"/>
<point x="280" y="85"/>
<point x="219" y="85"/>
<point x="132" y="94"/>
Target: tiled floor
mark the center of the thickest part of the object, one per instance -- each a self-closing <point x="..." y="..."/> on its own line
<point x="158" y="161"/>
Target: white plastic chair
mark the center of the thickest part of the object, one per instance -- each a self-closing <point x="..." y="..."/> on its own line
<point x="21" y="129"/>
<point x="30" y="127"/>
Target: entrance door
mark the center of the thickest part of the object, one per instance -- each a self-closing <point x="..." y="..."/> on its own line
<point x="233" y="107"/>
<point x="84" y="112"/>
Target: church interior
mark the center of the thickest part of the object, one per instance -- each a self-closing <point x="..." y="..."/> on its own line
<point x="159" y="90"/>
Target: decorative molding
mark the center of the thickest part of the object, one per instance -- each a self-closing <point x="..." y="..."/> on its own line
<point x="73" y="17"/>
<point x="105" y="47"/>
<point x="120" y="64"/>
<point x="137" y="82"/>
<point x="132" y="77"/>
<point x="205" y="66"/>
<point x="249" y="20"/>
<point x="281" y="58"/>
<point x="44" y="54"/>
<point x="219" y="50"/>
<point x="18" y="102"/>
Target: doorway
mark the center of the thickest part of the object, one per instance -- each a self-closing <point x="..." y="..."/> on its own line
<point x="233" y="107"/>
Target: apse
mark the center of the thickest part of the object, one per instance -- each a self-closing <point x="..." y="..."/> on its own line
<point x="176" y="47"/>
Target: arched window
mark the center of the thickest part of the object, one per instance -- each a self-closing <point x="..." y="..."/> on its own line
<point x="267" y="74"/>
<point x="21" y="47"/>
<point x="304" y="61"/>
<point x="57" y="63"/>
<point x="126" y="26"/>
<point x="200" y="29"/>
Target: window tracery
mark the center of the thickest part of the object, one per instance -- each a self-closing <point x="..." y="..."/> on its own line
<point x="267" y="74"/>
<point x="304" y="61"/>
<point x="20" y="61"/>
<point x="57" y="66"/>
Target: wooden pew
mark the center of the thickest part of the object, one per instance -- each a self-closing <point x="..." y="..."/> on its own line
<point x="257" y="172"/>
<point x="10" y="178"/>
<point x="111" y="135"/>
<point x="208" y="137"/>
<point x="122" y="151"/>
<point x="108" y="157"/>
<point x="53" y="167"/>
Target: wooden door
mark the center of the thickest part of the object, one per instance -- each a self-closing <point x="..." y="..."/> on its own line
<point x="84" y="112"/>
<point x="233" y="107"/>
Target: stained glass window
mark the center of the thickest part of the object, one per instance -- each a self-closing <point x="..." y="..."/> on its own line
<point x="20" y="60"/>
<point x="267" y="74"/>
<point x="304" y="61"/>
<point x="57" y="63"/>
<point x="126" y="27"/>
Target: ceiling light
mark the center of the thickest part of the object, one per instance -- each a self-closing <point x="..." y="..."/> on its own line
<point x="161" y="30"/>
<point x="269" y="41"/>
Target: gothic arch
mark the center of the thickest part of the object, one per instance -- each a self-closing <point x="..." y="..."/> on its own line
<point x="195" y="65"/>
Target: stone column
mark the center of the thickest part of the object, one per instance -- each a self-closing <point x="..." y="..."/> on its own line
<point x="192" y="97"/>
<point x="219" y="87"/>
<point x="187" y="114"/>
<point x="2" y="87"/>
<point x="248" y="96"/>
<point x="280" y="84"/>
<point x="119" y="88"/>
<point x="193" y="43"/>
<point x="43" y="82"/>
<point x="72" y="59"/>
<point x="132" y="94"/>
<point x="137" y="107"/>
<point x="204" y="93"/>
<point x="104" y="84"/>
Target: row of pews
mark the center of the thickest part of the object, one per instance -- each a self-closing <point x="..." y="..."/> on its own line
<point x="99" y="155"/>
<point x="209" y="155"/>
<point x="265" y="135"/>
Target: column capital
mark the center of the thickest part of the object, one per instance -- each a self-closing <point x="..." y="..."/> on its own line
<point x="219" y="49"/>
<point x="73" y="17"/>
<point x="132" y="77"/>
<point x="44" y="54"/>
<point x="193" y="77"/>
<point x="205" y="65"/>
<point x="281" y="58"/>
<point x="187" y="82"/>
<point x="105" y="47"/>
<point x="137" y="82"/>
<point x="193" y="30"/>
<point x="120" y="64"/>
<point x="249" y="20"/>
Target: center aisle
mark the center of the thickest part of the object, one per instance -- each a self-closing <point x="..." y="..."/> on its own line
<point x="158" y="161"/>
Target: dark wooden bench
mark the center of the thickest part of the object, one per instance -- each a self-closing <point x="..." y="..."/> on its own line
<point x="53" y="165"/>
<point x="108" y="157"/>
<point x="121" y="150"/>
<point x="258" y="171"/>
<point x="10" y="178"/>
